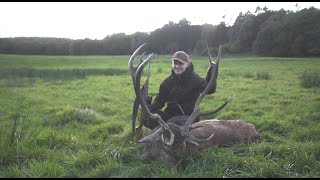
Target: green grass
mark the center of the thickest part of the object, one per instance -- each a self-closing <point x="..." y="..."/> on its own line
<point x="311" y="79"/>
<point x="70" y="116"/>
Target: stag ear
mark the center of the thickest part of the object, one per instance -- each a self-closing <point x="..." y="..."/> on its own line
<point x="153" y="137"/>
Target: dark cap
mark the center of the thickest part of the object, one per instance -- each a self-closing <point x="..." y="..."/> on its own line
<point x="181" y="56"/>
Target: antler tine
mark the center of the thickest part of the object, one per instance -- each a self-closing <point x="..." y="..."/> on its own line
<point x="136" y="77"/>
<point x="228" y="100"/>
<point x="132" y="71"/>
<point x="218" y="108"/>
<point x="196" y="112"/>
<point x="209" y="55"/>
<point x="217" y="58"/>
<point x="130" y="63"/>
<point x="141" y="57"/>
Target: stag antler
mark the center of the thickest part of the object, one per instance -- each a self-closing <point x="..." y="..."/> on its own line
<point x="185" y="130"/>
<point x="136" y="76"/>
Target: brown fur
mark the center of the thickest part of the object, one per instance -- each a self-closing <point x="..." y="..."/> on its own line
<point x="226" y="133"/>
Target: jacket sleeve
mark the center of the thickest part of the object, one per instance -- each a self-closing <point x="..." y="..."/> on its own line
<point x="208" y="77"/>
<point x="160" y="99"/>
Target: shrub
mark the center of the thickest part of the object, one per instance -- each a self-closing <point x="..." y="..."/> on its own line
<point x="248" y="75"/>
<point x="263" y="76"/>
<point x="310" y="79"/>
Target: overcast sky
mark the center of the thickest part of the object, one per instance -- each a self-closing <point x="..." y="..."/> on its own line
<point x="96" y="20"/>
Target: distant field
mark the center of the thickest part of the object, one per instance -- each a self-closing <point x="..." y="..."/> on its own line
<point x="70" y="116"/>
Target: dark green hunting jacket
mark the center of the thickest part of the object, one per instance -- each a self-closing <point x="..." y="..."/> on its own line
<point x="182" y="89"/>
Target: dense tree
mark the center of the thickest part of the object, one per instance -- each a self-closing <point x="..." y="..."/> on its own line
<point x="264" y="33"/>
<point x="286" y="33"/>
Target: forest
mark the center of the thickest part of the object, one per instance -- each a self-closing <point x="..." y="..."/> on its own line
<point x="262" y="33"/>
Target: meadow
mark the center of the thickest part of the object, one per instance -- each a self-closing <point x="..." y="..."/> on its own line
<point x="70" y="116"/>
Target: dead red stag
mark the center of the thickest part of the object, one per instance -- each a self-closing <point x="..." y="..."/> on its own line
<point x="171" y="143"/>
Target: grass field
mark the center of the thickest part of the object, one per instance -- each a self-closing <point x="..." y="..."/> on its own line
<point x="70" y="116"/>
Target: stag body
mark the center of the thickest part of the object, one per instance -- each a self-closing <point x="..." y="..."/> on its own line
<point x="226" y="133"/>
<point x="170" y="143"/>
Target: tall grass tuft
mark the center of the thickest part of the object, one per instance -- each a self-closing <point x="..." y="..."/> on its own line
<point x="159" y="70"/>
<point x="263" y="75"/>
<point x="46" y="169"/>
<point x="248" y="75"/>
<point x="310" y="79"/>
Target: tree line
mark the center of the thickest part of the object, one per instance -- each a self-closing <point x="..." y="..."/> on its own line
<point x="262" y="33"/>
